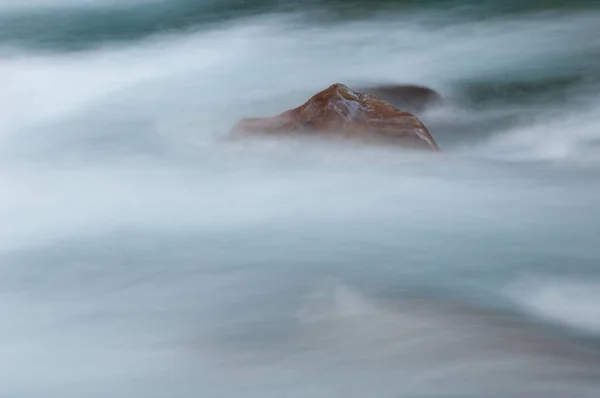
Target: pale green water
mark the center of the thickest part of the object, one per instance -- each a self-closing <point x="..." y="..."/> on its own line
<point x="143" y="255"/>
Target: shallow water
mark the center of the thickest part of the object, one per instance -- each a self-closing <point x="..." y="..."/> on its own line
<point x="145" y="255"/>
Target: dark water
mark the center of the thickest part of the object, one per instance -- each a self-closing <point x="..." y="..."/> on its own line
<point x="143" y="255"/>
<point x="70" y="25"/>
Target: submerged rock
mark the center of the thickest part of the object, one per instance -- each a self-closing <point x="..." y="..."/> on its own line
<point x="339" y="111"/>
<point x="407" y="97"/>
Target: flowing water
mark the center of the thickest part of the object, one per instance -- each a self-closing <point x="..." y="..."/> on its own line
<point x="142" y="254"/>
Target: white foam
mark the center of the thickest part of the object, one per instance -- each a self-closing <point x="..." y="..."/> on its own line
<point x="103" y="326"/>
<point x="571" y="133"/>
<point x="569" y="302"/>
<point x="268" y="64"/>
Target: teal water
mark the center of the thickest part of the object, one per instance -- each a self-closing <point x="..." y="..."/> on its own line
<point x="71" y="25"/>
<point x="145" y="255"/>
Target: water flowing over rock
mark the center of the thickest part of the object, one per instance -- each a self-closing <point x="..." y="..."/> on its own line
<point x="339" y="111"/>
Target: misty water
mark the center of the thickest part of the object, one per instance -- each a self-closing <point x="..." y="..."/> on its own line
<point x="144" y="254"/>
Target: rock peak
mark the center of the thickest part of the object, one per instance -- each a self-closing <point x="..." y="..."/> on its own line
<point x="342" y="112"/>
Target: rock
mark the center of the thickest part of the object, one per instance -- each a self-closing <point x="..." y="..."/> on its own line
<point x="339" y="111"/>
<point x="407" y="97"/>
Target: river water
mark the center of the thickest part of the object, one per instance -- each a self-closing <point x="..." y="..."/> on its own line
<point x="142" y="254"/>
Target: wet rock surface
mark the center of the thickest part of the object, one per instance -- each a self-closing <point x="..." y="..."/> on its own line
<point x="339" y="111"/>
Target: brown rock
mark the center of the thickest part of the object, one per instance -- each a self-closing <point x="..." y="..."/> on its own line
<point x="407" y="97"/>
<point x="339" y="111"/>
